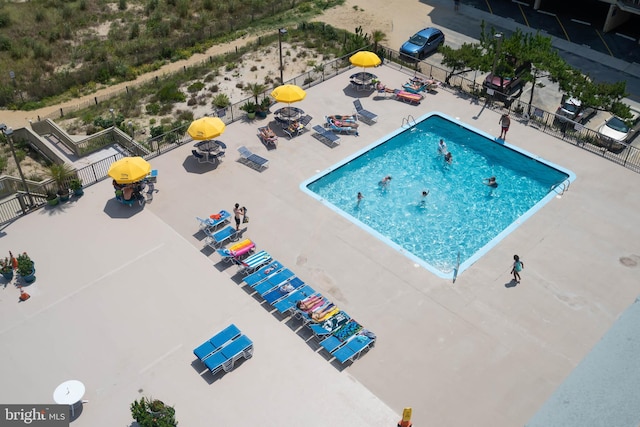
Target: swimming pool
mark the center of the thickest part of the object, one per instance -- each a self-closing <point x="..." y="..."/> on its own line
<point x="461" y="218"/>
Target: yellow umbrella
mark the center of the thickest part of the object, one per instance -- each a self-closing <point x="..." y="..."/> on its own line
<point x="288" y="93"/>
<point x="365" y="59"/>
<point x="129" y="169"/>
<point x="206" y="128"/>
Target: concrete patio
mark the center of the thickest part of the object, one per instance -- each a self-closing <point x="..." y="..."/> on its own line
<point x="123" y="295"/>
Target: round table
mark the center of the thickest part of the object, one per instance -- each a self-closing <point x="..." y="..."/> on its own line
<point x="209" y="146"/>
<point x="69" y="393"/>
<point x="289" y="114"/>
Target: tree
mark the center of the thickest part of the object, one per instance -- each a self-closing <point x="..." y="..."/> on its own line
<point x="601" y="96"/>
<point x="469" y="57"/>
<point x="535" y="49"/>
<point x="256" y="90"/>
<point x="378" y="37"/>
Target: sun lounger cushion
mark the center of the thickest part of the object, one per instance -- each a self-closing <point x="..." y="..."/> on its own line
<point x="214" y="220"/>
<point x="263" y="273"/>
<point x="218" y="238"/>
<point x="289" y="302"/>
<point x="330" y="325"/>
<point x="268" y="285"/>
<point x="353" y="348"/>
<point x="253" y="262"/>
<point x="282" y="290"/>
<point x="411" y="98"/>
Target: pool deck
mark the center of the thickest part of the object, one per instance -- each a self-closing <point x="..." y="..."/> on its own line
<point x="123" y="295"/>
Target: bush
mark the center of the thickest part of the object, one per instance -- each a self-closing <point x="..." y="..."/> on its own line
<point x="153" y="108"/>
<point x="221" y="100"/>
<point x="156" y="131"/>
<point x="171" y="93"/>
<point x="195" y="87"/>
<point x="153" y="413"/>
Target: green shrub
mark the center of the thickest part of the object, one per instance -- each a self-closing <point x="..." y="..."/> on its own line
<point x="135" y="31"/>
<point x="153" y="108"/>
<point x="5" y="43"/>
<point x="156" y="131"/>
<point x="221" y="100"/>
<point x="5" y="19"/>
<point x="153" y="413"/>
<point x="3" y="163"/>
<point x="195" y="87"/>
<point x="171" y="93"/>
<point x="21" y="155"/>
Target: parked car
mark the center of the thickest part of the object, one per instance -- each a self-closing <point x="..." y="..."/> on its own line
<point x="423" y="43"/>
<point x="507" y="84"/>
<point x="572" y="109"/>
<point x="615" y="129"/>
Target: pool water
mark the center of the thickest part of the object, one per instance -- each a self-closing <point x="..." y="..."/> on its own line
<point x="461" y="218"/>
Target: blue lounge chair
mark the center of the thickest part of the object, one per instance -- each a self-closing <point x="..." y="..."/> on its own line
<point x="330" y="325"/>
<point x="282" y="290"/>
<point x="278" y="278"/>
<point x="216" y="342"/>
<point x="263" y="273"/>
<point x="253" y="262"/>
<point x="365" y="115"/>
<point x="353" y="348"/>
<point x="286" y="304"/>
<point x="210" y="223"/>
<point x="340" y="336"/>
<point x="252" y="160"/>
<point x="217" y="239"/>
<point x="325" y="136"/>
<point x="225" y="358"/>
<point x="268" y="285"/>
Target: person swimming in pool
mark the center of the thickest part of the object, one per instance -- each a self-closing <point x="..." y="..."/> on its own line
<point x="491" y="181"/>
<point x="423" y="201"/>
<point x="448" y="157"/>
<point x="442" y="147"/>
<point x="384" y="183"/>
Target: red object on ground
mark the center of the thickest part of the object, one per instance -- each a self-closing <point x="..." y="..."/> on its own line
<point x="23" y="295"/>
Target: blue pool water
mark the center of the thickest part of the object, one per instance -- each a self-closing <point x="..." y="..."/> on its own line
<point x="460" y="215"/>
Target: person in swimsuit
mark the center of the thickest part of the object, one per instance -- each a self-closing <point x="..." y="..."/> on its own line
<point x="442" y="147"/>
<point x="518" y="266"/>
<point x="238" y="213"/>
<point x="504" y="122"/>
<point x="491" y="181"/>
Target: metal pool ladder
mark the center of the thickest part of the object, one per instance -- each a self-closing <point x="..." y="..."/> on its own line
<point x="409" y="121"/>
<point x="564" y="186"/>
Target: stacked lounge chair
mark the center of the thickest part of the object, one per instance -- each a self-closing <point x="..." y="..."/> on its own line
<point x="221" y="351"/>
